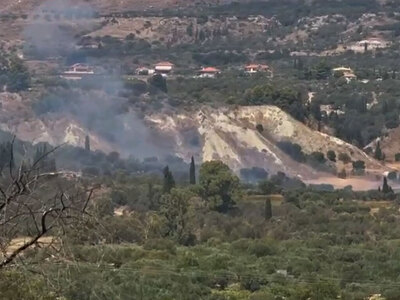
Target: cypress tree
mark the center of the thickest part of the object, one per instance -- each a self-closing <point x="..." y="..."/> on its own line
<point x="192" y="173"/>
<point x="386" y="189"/>
<point x="87" y="143"/>
<point x="268" y="209"/>
<point x="378" y="152"/>
<point x="169" y="181"/>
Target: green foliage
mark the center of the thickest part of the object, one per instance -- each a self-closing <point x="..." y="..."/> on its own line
<point x="331" y="155"/>
<point x="192" y="172"/>
<point x="159" y="82"/>
<point x="175" y="208"/>
<point x="16" y="285"/>
<point x="286" y="98"/>
<point x="87" y="143"/>
<point x="397" y="157"/>
<point x="344" y="157"/>
<point x="378" y="154"/>
<point x="219" y="186"/>
<point x="268" y="187"/>
<point x="169" y="181"/>
<point x="14" y="76"/>
<point x="318" y="157"/>
<point x="386" y="189"/>
<point x="268" y="209"/>
<point x="359" y="167"/>
<point x="293" y="150"/>
<point x="342" y="174"/>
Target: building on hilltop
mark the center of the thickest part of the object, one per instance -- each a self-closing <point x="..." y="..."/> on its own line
<point x="78" y="71"/>
<point x="209" y="72"/>
<point x="255" y="68"/>
<point x="164" y="67"/>
<point x="344" y="72"/>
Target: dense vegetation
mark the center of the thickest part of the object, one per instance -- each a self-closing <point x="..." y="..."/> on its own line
<point x="158" y="228"/>
<point x="219" y="240"/>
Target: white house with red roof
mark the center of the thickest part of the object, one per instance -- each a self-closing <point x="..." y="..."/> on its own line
<point x="255" y="68"/>
<point x="209" y="72"/>
<point x="164" y="67"/>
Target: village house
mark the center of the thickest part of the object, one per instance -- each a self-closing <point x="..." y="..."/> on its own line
<point x="255" y="68"/>
<point x="329" y="109"/>
<point x="373" y="43"/>
<point x="344" y="72"/>
<point x="144" y="71"/>
<point x="164" y="67"/>
<point x="78" y="71"/>
<point x="209" y="72"/>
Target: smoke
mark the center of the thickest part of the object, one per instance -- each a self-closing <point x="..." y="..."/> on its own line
<point x="51" y="31"/>
<point x="96" y="102"/>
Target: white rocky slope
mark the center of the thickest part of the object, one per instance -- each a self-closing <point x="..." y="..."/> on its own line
<point x="231" y="136"/>
<point x="227" y="134"/>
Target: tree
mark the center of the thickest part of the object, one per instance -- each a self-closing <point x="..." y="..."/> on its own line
<point x="397" y="157"/>
<point x="392" y="175"/>
<point x="43" y="160"/>
<point x="35" y="204"/>
<point x="322" y="70"/>
<point x="344" y="157"/>
<point x="342" y="174"/>
<point x="87" y="143"/>
<point x="169" y="181"/>
<point x="386" y="188"/>
<point x="317" y="157"/>
<point x="331" y="155"/>
<point x="268" y="209"/>
<point x="192" y="172"/>
<point x="14" y="75"/>
<point x="219" y="186"/>
<point x="378" y="154"/>
<point x="359" y="167"/>
<point x="315" y="110"/>
<point x="189" y="29"/>
<point x="158" y="81"/>
<point x="175" y="210"/>
<point x="267" y="187"/>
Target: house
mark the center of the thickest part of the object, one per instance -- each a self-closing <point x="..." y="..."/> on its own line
<point x="144" y="71"/>
<point x="344" y="72"/>
<point x="349" y="76"/>
<point x="209" y="72"/>
<point x="78" y="71"/>
<point x="164" y="67"/>
<point x="255" y="68"/>
<point x="373" y="43"/>
<point x="329" y="109"/>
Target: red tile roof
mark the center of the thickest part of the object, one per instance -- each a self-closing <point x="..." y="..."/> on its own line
<point x="165" y="63"/>
<point x="210" y="70"/>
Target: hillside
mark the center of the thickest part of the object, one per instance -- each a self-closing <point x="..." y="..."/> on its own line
<point x="231" y="136"/>
<point x="227" y="134"/>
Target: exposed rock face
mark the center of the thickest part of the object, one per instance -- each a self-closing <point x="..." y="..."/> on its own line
<point x="231" y="135"/>
<point x="242" y="137"/>
<point x="17" y="117"/>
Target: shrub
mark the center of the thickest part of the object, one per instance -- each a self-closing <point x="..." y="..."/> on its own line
<point x="259" y="128"/>
<point x="359" y="167"/>
<point x="262" y="248"/>
<point x="293" y="150"/>
<point x="397" y="157"/>
<point x="160" y="244"/>
<point x="331" y="155"/>
<point x="345" y="158"/>
<point x="392" y="175"/>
